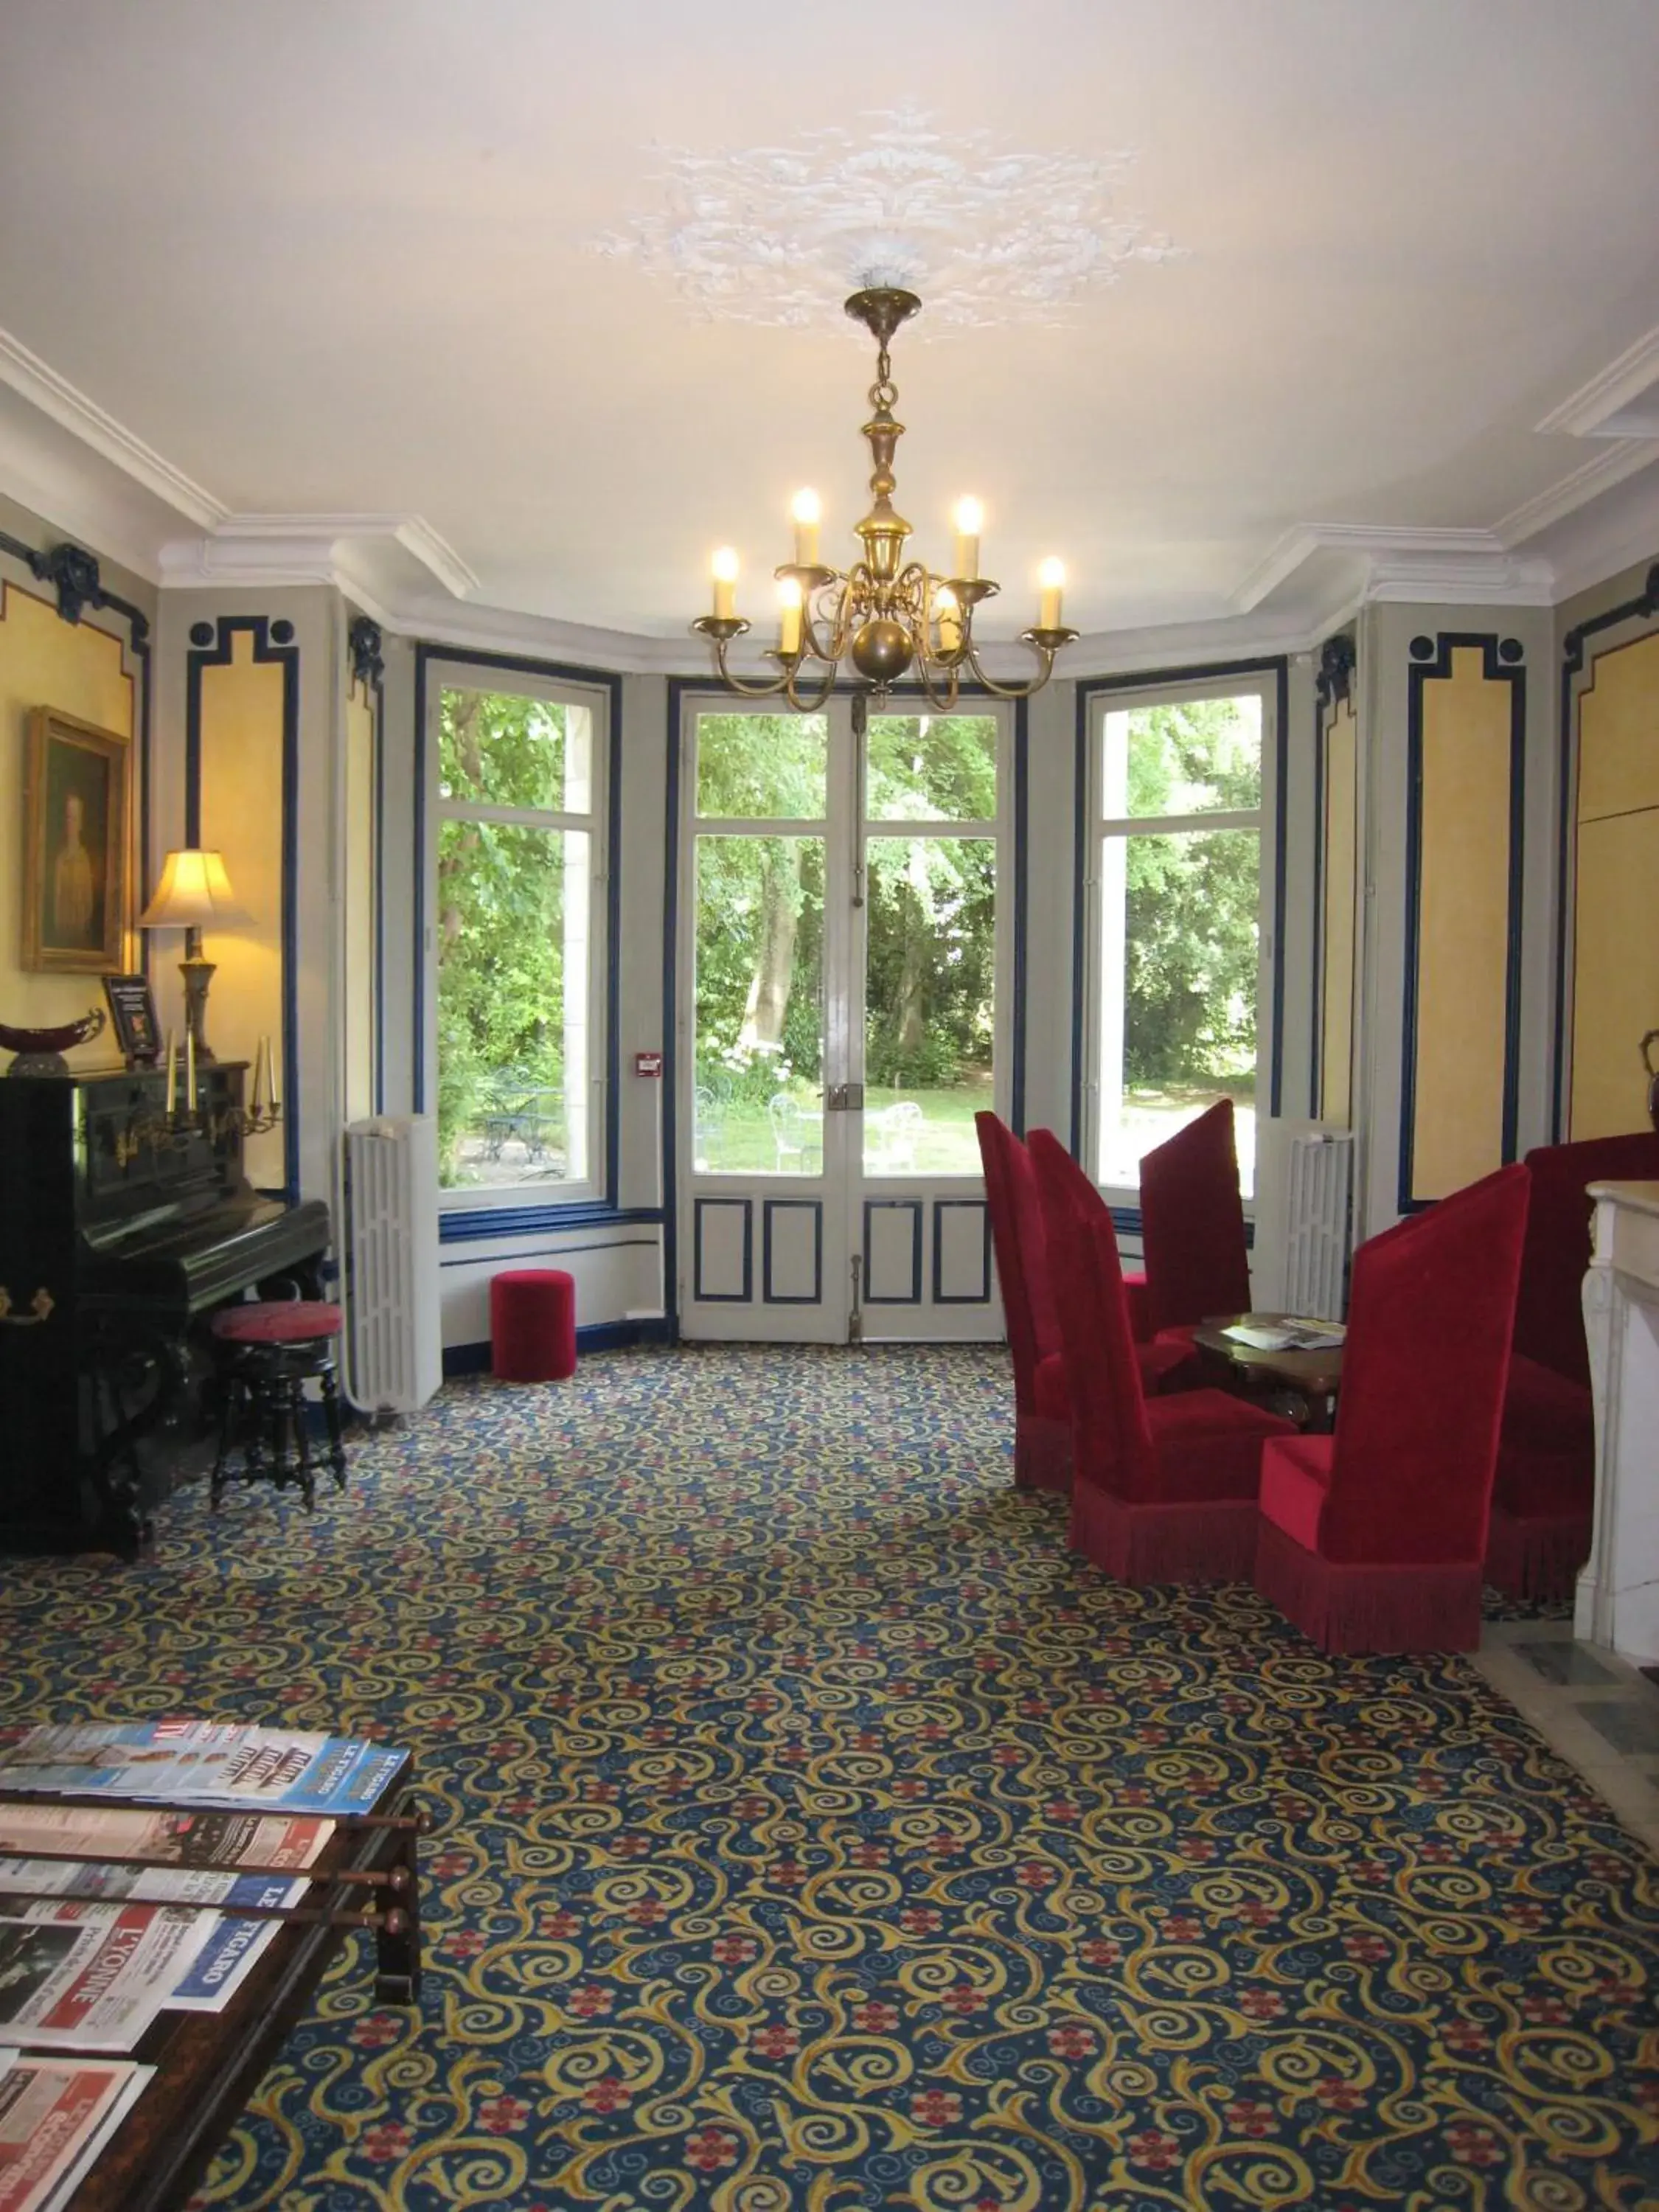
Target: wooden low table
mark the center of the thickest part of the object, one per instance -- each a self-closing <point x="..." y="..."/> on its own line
<point x="209" y="2063"/>
<point x="1313" y="1376"/>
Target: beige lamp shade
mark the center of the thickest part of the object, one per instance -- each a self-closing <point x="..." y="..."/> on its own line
<point x="194" y="893"/>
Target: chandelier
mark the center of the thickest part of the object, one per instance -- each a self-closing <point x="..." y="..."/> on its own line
<point x="889" y="616"/>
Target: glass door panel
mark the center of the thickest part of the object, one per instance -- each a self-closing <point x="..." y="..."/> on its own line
<point x="929" y="1003"/>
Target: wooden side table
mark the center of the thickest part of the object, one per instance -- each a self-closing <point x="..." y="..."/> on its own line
<point x="1313" y="1376"/>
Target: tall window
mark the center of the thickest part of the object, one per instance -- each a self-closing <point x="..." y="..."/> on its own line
<point x="518" y="936"/>
<point x="1177" y="925"/>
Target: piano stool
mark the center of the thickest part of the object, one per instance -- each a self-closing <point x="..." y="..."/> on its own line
<point x="266" y="1353"/>
<point x="532" y="1325"/>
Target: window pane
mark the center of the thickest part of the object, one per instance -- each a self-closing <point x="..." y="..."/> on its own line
<point x="1192" y="757"/>
<point x="1179" y="949"/>
<point x="759" y="1104"/>
<point x="763" y="768"/>
<point x="929" y="1002"/>
<point x="940" y="767"/>
<point x="512" y="1042"/>
<point x="498" y="750"/>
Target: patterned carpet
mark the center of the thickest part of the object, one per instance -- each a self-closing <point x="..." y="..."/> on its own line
<point x="813" y="1830"/>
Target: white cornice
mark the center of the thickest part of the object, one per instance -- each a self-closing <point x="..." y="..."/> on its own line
<point x="57" y="397"/>
<point x="1583" y="413"/>
<point x="1610" y="466"/>
<point x="288" y="549"/>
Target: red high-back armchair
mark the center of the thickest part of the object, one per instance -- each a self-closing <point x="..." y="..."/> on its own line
<point x="1043" y="1422"/>
<point x="1544" y="1488"/>
<point x="1192" y="1224"/>
<point x="1372" y="1538"/>
<point x="1162" y="1489"/>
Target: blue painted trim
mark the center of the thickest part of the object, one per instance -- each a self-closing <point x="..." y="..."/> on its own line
<point x="1333" y="688"/>
<point x="745" y="1295"/>
<point x="891" y="1205"/>
<point x="213" y="645"/>
<point x="1436" y="665"/>
<point x="375" y="684"/>
<point x="564" y="672"/>
<point x="669" y="1169"/>
<point x="815" y="1207"/>
<point x="1642" y="608"/>
<point x="597" y="1336"/>
<point x="1093" y="687"/>
<point x="981" y="1297"/>
<point x="484" y="1223"/>
<point x="550" y="1252"/>
<point x="417" y="992"/>
<point x="1016" y="1031"/>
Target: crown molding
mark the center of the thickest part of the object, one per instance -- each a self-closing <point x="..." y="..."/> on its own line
<point x="1624" y="458"/>
<point x="290" y="548"/>
<point x="1583" y="413"/>
<point x="58" y="399"/>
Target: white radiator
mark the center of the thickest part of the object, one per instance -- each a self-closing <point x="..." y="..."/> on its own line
<point x="1304" y="1212"/>
<point x="394" y="1345"/>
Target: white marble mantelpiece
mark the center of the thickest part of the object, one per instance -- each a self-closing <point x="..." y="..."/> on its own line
<point x="1618" y="1600"/>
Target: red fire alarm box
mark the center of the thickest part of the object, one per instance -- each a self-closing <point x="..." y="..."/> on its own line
<point x="647" y="1063"/>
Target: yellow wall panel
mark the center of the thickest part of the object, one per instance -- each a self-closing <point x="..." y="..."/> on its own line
<point x="1615" y="998"/>
<point x="47" y="662"/>
<point x="1463" y="921"/>
<point x="1618" y="732"/>
<point x="358" y="906"/>
<point x="241" y="816"/>
<point x="1339" y="876"/>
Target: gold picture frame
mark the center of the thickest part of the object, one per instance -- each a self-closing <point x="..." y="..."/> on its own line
<point x="74" y="847"/>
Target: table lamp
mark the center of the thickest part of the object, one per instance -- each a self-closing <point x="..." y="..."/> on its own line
<point x="194" y="894"/>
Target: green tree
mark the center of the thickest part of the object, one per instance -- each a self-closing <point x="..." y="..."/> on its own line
<point x="1192" y="905"/>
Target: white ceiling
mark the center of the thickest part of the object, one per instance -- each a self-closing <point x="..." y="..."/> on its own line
<point x="337" y="256"/>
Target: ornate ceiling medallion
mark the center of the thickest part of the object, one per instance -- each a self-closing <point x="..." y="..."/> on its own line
<point x="989" y="234"/>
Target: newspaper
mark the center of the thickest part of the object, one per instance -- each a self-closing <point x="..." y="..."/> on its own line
<point x="56" y="2115"/>
<point x="199" y="1844"/>
<point x="92" y="1976"/>
<point x="208" y="1763"/>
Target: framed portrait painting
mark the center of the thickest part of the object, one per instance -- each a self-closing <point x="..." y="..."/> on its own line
<point x="75" y="845"/>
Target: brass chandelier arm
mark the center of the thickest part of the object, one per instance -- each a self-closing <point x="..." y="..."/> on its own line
<point x="1045" y="653"/>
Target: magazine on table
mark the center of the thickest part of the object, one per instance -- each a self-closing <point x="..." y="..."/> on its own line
<point x="209" y="1763"/>
<point x="56" y="2115"/>
<point x="92" y="1977"/>
<point x="1292" y="1334"/>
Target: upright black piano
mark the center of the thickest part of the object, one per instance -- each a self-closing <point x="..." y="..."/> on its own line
<point x="119" y="1230"/>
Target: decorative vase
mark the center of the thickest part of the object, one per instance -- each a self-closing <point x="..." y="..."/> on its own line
<point x="40" y="1052"/>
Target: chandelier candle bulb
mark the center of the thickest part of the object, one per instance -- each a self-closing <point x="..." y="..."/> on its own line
<point x="725" y="568"/>
<point x="969" y="521"/>
<point x="789" y="617"/>
<point x="1052" y="577"/>
<point x="808" y="512"/>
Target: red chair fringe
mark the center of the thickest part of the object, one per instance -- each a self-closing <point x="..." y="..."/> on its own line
<point x="1210" y="1541"/>
<point x="1356" y="1609"/>
<point x="1536" y="1555"/>
<point x="1042" y="1453"/>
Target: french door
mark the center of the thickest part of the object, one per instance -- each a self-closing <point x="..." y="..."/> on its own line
<point x="845" y="961"/>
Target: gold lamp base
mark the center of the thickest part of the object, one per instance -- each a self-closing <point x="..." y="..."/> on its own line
<point x="197" y="972"/>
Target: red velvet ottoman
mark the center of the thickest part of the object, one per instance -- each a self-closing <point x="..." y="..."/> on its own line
<point x="532" y="1325"/>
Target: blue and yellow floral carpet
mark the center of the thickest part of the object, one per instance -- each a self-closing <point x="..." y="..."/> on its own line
<point x="813" y="1830"/>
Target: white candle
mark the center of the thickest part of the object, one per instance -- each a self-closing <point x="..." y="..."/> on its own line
<point x="725" y="567"/>
<point x="172" y="1075"/>
<point x="808" y="514"/>
<point x="1052" y="577"/>
<point x="970" y="521"/>
<point x="950" y="620"/>
<point x="270" y="1073"/>
<point x="190" y="1072"/>
<point x="258" y="1098"/>
<point x="788" y="616"/>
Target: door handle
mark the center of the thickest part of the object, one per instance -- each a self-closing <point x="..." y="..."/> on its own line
<point x="844" y="1098"/>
